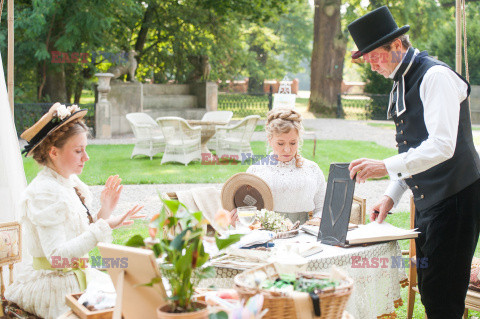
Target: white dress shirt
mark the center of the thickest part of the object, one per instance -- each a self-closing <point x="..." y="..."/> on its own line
<point x="441" y="93"/>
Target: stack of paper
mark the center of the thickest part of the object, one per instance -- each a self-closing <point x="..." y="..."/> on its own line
<point x="376" y="232"/>
<point x="370" y="233"/>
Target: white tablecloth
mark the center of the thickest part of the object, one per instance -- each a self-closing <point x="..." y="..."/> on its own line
<point x="376" y="289"/>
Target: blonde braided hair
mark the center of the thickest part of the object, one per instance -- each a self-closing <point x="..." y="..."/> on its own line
<point x="58" y="139"/>
<point x="282" y="120"/>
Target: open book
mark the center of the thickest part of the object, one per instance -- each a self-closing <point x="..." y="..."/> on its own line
<point x="371" y="233"/>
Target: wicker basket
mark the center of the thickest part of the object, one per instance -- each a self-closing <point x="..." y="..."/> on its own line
<point x="332" y="300"/>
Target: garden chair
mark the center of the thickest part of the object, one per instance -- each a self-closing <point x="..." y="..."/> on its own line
<point x="472" y="300"/>
<point x="182" y="140"/>
<point x="235" y="139"/>
<point x="149" y="137"/>
<point x="216" y="116"/>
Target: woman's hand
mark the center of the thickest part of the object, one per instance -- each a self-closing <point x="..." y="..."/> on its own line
<point x="233" y="217"/>
<point x="110" y="196"/>
<point x="125" y="219"/>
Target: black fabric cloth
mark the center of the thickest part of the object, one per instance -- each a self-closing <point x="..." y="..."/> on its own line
<point x="445" y="247"/>
<point x="451" y="176"/>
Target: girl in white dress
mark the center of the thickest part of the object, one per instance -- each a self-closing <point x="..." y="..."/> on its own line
<point x="55" y="219"/>
<point x="298" y="184"/>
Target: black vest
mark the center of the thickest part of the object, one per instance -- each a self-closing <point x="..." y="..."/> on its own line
<point x="451" y="176"/>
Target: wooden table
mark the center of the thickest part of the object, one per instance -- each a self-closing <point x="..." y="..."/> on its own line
<point x="208" y="131"/>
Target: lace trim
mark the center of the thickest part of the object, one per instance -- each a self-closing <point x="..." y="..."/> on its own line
<point x="404" y="283"/>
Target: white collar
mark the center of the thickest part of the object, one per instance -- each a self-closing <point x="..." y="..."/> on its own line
<point x="392" y="75"/>
<point x="68" y="182"/>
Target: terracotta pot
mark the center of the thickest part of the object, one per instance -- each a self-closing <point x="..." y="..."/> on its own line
<point x="162" y="312"/>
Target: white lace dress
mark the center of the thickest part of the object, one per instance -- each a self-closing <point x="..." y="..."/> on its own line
<point x="295" y="190"/>
<point x="55" y="224"/>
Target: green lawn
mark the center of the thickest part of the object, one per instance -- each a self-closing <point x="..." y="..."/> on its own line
<point x="106" y="160"/>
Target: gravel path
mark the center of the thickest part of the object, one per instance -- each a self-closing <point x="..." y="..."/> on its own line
<point x="147" y="195"/>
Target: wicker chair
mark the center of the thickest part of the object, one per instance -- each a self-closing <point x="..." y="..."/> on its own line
<point x="216" y="116"/>
<point x="149" y="137"/>
<point x="182" y="140"/>
<point x="235" y="139"/>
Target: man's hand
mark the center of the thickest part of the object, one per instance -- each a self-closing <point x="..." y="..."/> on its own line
<point x="366" y="168"/>
<point x="383" y="207"/>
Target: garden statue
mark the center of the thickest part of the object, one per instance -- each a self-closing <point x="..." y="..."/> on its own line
<point x="202" y="68"/>
<point x="128" y="68"/>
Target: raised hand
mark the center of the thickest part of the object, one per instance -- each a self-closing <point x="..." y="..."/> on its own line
<point x="110" y="196"/>
<point x="125" y="219"/>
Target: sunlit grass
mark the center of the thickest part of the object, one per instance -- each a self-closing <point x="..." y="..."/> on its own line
<point x="106" y="160"/>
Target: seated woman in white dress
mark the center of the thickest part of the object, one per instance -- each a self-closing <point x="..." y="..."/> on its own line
<point x="298" y="184"/>
<point x="55" y="217"/>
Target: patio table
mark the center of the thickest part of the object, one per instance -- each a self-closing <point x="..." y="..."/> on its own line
<point x="208" y="131"/>
<point x="377" y="284"/>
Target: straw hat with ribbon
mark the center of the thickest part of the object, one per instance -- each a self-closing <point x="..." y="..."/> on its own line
<point x="244" y="189"/>
<point x="55" y="118"/>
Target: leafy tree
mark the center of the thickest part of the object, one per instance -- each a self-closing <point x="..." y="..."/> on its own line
<point x="442" y="43"/>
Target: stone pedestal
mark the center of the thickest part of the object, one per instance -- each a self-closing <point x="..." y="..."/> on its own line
<point x="207" y="95"/>
<point x="103" y="115"/>
<point x="475" y="104"/>
<point x="125" y="97"/>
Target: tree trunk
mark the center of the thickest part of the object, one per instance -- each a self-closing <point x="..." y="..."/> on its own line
<point x="142" y="34"/>
<point x="329" y="46"/>
<point x="255" y="80"/>
<point x="55" y="90"/>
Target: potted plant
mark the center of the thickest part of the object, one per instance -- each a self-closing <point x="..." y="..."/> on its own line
<point x="181" y="246"/>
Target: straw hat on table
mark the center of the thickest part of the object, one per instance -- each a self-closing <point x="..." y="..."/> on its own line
<point x="244" y="189"/>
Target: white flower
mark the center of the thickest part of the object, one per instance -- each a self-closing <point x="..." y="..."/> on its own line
<point x="72" y="109"/>
<point x="62" y="112"/>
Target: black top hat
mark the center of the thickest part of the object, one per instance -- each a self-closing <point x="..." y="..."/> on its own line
<point x="373" y="30"/>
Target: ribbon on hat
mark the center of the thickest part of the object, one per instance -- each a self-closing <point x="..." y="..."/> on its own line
<point x="397" y="95"/>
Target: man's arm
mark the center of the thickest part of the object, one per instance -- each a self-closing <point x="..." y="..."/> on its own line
<point x="395" y="190"/>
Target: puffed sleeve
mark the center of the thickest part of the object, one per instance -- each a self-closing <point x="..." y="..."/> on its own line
<point x="319" y="197"/>
<point x="47" y="210"/>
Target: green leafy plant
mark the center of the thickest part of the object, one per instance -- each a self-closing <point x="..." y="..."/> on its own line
<point x="180" y="244"/>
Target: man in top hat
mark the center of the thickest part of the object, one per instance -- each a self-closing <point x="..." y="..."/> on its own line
<point x="437" y="159"/>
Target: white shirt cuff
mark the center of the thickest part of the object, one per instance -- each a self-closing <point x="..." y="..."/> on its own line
<point x="395" y="191"/>
<point x="396" y="167"/>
